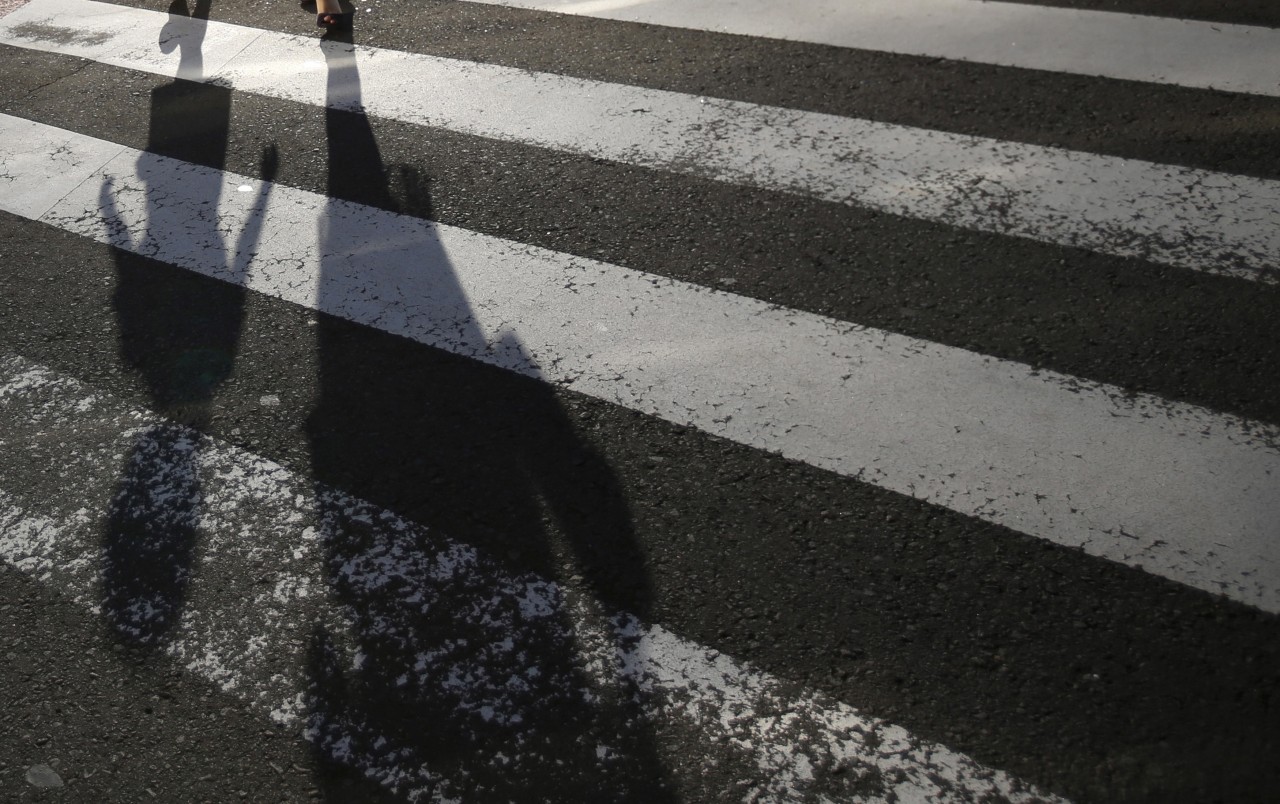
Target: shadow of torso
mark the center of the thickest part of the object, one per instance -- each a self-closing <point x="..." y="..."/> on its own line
<point x="466" y="658"/>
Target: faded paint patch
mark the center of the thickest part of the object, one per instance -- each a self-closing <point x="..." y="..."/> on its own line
<point x="7" y="6"/>
<point x="308" y="598"/>
<point x="57" y="34"/>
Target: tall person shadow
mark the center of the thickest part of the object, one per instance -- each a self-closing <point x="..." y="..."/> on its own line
<point x="179" y="331"/>
<point x="463" y="670"/>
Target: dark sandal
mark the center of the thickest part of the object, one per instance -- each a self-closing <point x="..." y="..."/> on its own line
<point x="334" y="22"/>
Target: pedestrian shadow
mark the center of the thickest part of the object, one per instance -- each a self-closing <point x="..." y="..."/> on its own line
<point x="178" y="332"/>
<point x="461" y="671"/>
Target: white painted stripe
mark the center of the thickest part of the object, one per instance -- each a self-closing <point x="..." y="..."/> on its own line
<point x="249" y="612"/>
<point x="1178" y="216"/>
<point x="1239" y="58"/>
<point x="1177" y="490"/>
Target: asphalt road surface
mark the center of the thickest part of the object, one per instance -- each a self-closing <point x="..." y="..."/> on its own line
<point x="640" y="401"/>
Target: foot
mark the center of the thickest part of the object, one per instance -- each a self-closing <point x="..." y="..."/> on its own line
<point x="333" y="21"/>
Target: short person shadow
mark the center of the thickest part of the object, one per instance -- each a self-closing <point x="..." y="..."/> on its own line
<point x="179" y="332"/>
<point x="464" y="670"/>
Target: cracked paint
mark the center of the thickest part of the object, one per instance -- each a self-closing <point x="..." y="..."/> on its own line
<point x="521" y="655"/>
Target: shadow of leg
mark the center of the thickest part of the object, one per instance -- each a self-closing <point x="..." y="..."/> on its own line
<point x="150" y="535"/>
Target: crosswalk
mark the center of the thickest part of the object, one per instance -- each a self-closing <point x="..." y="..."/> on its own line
<point x="529" y="408"/>
<point x="1115" y="206"/>
<point x="1201" y="54"/>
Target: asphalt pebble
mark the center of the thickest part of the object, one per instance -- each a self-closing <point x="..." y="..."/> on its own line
<point x="43" y="776"/>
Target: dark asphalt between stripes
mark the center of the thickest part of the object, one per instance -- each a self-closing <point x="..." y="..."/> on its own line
<point x="1237" y="12"/>
<point x="124" y="726"/>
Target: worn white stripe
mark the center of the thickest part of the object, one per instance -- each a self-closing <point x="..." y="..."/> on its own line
<point x="1178" y="490"/>
<point x="1179" y="216"/>
<point x="261" y="587"/>
<point x="1239" y="58"/>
